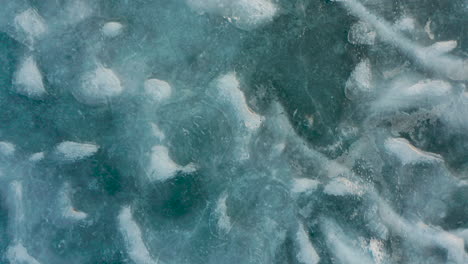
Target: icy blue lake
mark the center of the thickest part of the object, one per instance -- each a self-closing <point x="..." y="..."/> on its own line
<point x="233" y="131"/>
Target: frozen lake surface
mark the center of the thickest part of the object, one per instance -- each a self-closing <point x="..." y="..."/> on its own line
<point x="233" y="131"/>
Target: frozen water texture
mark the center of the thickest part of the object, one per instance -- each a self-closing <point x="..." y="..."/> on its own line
<point x="233" y="131"/>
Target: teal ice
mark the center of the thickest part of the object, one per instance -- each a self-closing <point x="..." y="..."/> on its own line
<point x="233" y="131"/>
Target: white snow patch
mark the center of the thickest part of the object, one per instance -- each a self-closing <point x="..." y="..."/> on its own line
<point x="162" y="167"/>
<point x="376" y="248"/>
<point x="157" y="90"/>
<point x="16" y="189"/>
<point x="76" y="11"/>
<point x="229" y="89"/>
<point x="341" y="186"/>
<point x="462" y="233"/>
<point x="224" y="221"/>
<point x="16" y="210"/>
<point x="306" y="253"/>
<point x="66" y="207"/>
<point x="442" y="47"/>
<point x="433" y="88"/>
<point x="157" y="132"/>
<point x="425" y="93"/>
<point x="72" y="213"/>
<point x="407" y="153"/>
<point x="17" y="254"/>
<point x="131" y="233"/>
<point x="73" y="151"/>
<point x="27" y="79"/>
<point x="244" y="14"/>
<point x="343" y="248"/>
<point x="278" y="148"/>
<point x="98" y="86"/>
<point x="361" y="33"/>
<point x="304" y="185"/>
<point x="452" y="67"/>
<point x="7" y="148"/>
<point x="112" y="29"/>
<point x="407" y="24"/>
<point x="424" y="235"/>
<point x="335" y="169"/>
<point x="37" y="157"/>
<point x="428" y="30"/>
<point x="31" y="24"/>
<point x="360" y="80"/>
